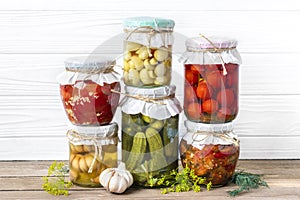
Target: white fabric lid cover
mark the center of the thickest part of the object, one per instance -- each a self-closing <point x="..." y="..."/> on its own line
<point x="198" y="43"/>
<point x="162" y="110"/>
<point x="89" y="68"/>
<point x="199" y="133"/>
<point x="110" y="130"/>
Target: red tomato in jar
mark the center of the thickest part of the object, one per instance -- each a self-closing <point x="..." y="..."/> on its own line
<point x="214" y="79"/>
<point x="232" y="79"/>
<point x="194" y="111"/>
<point x="203" y="91"/>
<point x="191" y="77"/>
<point x="223" y="114"/>
<point x="189" y="93"/>
<point x="225" y="97"/>
<point x="230" y="68"/>
<point x="210" y="106"/>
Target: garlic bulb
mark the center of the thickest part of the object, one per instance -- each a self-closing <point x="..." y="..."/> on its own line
<point x="116" y="180"/>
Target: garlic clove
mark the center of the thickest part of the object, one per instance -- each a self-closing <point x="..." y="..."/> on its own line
<point x="161" y="54"/>
<point x="82" y="164"/>
<point x="160" y="70"/>
<point x="105" y="177"/>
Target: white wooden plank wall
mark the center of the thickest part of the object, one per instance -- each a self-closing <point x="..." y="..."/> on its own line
<point x="36" y="36"/>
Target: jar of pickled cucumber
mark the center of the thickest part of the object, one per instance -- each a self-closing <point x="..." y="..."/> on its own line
<point x="148" y="51"/>
<point x="150" y="132"/>
<point x="211" y="79"/>
<point x="92" y="150"/>
<point x="85" y="89"/>
<point x="211" y="150"/>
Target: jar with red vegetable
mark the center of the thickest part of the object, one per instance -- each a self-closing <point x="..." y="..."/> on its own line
<point x="85" y="89"/>
<point x="211" y="150"/>
<point x="211" y="79"/>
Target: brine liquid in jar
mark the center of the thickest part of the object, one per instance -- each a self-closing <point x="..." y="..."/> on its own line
<point x="210" y="96"/>
<point x="215" y="162"/>
<point x="88" y="103"/>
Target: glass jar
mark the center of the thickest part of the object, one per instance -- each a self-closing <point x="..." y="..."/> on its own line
<point x="148" y="51"/>
<point x="85" y="89"/>
<point x="91" y="150"/>
<point x="211" y="79"/>
<point x="211" y="150"/>
<point x="150" y="132"/>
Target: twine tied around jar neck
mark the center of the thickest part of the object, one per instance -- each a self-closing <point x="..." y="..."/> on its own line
<point x="156" y="100"/>
<point x="223" y="135"/>
<point x="214" y="50"/>
<point x="151" y="32"/>
<point x="105" y="70"/>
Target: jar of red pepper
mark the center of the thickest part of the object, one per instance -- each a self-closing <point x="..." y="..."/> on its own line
<point x="85" y="89"/>
<point x="211" y="150"/>
<point x="211" y="79"/>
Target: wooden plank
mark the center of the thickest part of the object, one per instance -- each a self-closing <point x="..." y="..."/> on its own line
<point x="83" y="31"/>
<point x="272" y="169"/>
<point x="282" y="176"/>
<point x="146" y="6"/>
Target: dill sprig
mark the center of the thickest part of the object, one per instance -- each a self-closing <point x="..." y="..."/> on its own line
<point x="246" y="181"/>
<point x="54" y="183"/>
<point x="183" y="181"/>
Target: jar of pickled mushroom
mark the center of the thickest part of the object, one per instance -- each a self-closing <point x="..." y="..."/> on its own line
<point x="92" y="149"/>
<point x="148" y="51"/>
<point x="150" y="132"/>
<point x="211" y="79"/>
<point x="211" y="150"/>
<point x="85" y="89"/>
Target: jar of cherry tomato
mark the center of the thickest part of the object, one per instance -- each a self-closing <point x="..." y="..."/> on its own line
<point x="148" y="51"/>
<point x="92" y="149"/>
<point x="211" y="150"/>
<point x="85" y="89"/>
<point x="150" y="132"/>
<point x="211" y="79"/>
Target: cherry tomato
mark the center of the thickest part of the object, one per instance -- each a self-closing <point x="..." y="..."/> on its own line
<point x="203" y="91"/>
<point x="194" y="111"/>
<point x="231" y="67"/>
<point x="223" y="114"/>
<point x="214" y="79"/>
<point x="191" y="77"/>
<point x="225" y="97"/>
<point x="189" y="93"/>
<point x="210" y="106"/>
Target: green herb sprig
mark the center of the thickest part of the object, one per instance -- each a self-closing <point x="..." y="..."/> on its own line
<point x="183" y="181"/>
<point x="246" y="181"/>
<point x="55" y="183"/>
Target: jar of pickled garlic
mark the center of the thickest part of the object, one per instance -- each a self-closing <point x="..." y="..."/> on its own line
<point x="85" y="89"/>
<point x="92" y="149"/>
<point x="211" y="150"/>
<point x="211" y="79"/>
<point x="148" y="51"/>
<point x="150" y="132"/>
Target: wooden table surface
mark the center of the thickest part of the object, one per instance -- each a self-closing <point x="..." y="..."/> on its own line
<point x="23" y="180"/>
